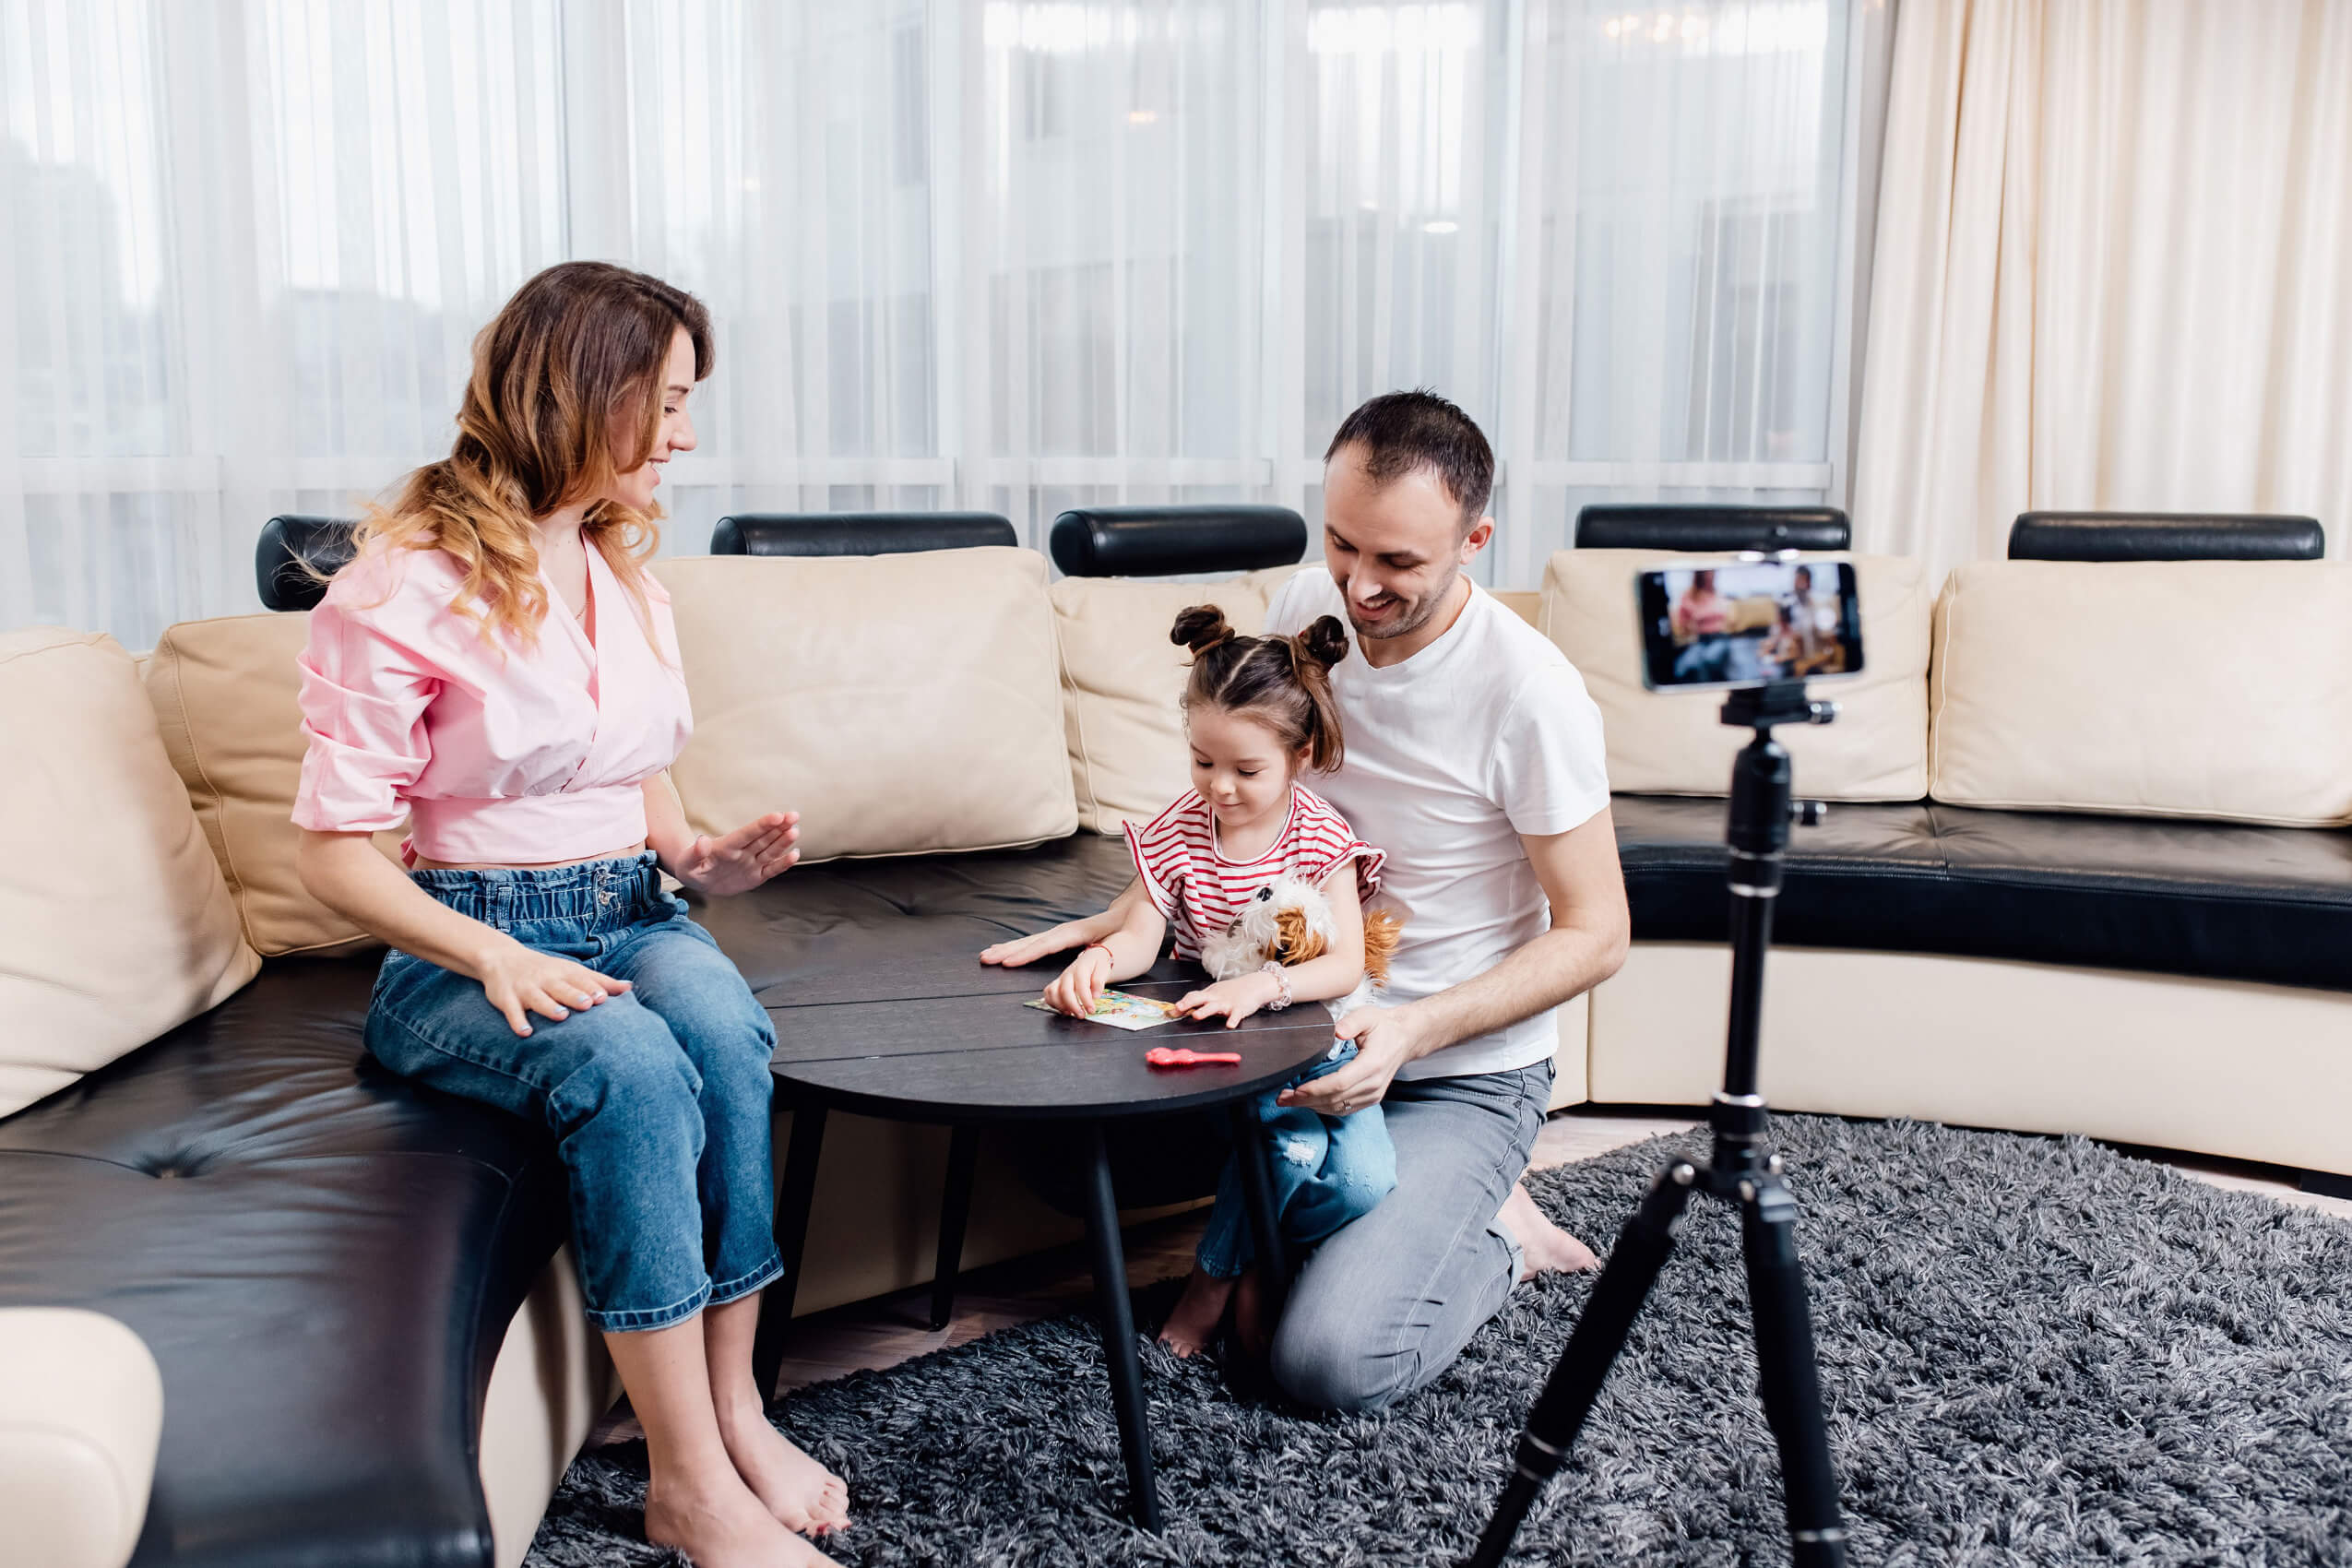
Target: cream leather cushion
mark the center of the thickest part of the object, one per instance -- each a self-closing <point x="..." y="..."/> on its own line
<point x="1675" y="743"/>
<point x="81" y="1414"/>
<point x="901" y="704"/>
<point x="1122" y="683"/>
<point x="114" y="923"/>
<point x="2215" y="689"/>
<point x="225" y="697"/>
<point x="81" y="1410"/>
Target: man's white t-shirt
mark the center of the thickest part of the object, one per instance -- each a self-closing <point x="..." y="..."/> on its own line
<point x="1484" y="735"/>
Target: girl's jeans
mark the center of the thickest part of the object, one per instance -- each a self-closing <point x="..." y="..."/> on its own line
<point x="657" y="1098"/>
<point x="1327" y="1170"/>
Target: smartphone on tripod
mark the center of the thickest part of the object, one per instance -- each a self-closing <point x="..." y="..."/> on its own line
<point x="1724" y="625"/>
<point x="1758" y="627"/>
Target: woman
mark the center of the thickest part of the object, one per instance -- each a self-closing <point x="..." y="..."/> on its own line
<point x="497" y="666"/>
<point x="1702" y="624"/>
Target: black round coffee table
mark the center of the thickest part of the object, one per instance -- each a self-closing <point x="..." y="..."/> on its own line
<point x="951" y="1044"/>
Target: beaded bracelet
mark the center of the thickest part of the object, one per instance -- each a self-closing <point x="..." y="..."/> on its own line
<point x="1282" y="979"/>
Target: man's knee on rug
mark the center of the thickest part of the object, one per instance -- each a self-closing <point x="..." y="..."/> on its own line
<point x="1336" y="1371"/>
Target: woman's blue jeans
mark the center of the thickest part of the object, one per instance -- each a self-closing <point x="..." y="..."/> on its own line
<point x="1327" y="1170"/>
<point x="657" y="1098"/>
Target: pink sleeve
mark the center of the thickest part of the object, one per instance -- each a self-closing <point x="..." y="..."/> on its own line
<point x="363" y="697"/>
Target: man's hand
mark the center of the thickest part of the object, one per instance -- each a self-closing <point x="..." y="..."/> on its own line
<point x="741" y="860"/>
<point x="1387" y="1037"/>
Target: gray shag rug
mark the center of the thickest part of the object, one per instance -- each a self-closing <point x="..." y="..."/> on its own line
<point x="2033" y="1351"/>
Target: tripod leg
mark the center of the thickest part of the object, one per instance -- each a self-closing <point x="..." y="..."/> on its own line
<point x="1787" y="1379"/>
<point x="1567" y="1397"/>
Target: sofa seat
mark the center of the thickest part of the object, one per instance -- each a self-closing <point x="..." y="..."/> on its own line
<point x="322" y="1260"/>
<point x="2211" y="900"/>
<point x="325" y="1260"/>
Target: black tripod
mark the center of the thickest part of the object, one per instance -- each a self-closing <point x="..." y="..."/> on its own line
<point x="1741" y="1172"/>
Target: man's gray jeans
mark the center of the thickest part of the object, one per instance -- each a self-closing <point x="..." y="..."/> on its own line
<point x="1385" y="1305"/>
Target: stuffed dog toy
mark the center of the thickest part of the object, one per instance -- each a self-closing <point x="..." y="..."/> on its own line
<point x="1289" y="922"/>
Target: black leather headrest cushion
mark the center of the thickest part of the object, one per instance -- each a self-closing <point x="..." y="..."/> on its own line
<point x="287" y="544"/>
<point x="856" y="533"/>
<point x="1159" y="542"/>
<point x="1713" y="528"/>
<point x="2164" y="535"/>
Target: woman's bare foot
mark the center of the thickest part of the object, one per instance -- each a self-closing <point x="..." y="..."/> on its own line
<point x="801" y="1494"/>
<point x="723" y="1526"/>
<point x="1192" y="1324"/>
<point x="1544" y="1248"/>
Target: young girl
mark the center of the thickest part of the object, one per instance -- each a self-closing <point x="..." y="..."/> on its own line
<point x="1258" y="711"/>
<point x="497" y="667"/>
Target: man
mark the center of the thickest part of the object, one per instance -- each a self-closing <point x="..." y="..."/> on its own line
<point x="1475" y="760"/>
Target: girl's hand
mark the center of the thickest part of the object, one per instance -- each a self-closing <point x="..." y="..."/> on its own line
<point x="741" y="860"/>
<point x="1030" y="949"/>
<point x="1080" y="986"/>
<point x="1234" y="999"/>
<point x="520" y="980"/>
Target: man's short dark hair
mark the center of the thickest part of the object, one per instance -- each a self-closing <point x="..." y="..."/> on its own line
<point x="1403" y="431"/>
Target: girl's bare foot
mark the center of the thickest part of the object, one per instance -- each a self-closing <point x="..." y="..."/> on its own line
<point x="721" y="1525"/>
<point x="801" y="1494"/>
<point x="1544" y="1248"/>
<point x="1194" y="1323"/>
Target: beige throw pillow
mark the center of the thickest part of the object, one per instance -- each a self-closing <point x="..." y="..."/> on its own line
<point x="1122" y="681"/>
<point x="225" y="694"/>
<point x="2217" y="689"/>
<point x="902" y="704"/>
<point x="1675" y="743"/>
<point x="113" y="915"/>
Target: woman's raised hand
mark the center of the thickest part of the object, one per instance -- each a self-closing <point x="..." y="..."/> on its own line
<point x="522" y="980"/>
<point x="741" y="860"/>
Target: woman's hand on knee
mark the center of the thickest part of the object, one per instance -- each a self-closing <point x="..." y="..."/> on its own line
<point x="520" y="980"/>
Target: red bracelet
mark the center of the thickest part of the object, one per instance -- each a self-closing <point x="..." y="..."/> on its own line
<point x="1106" y="951"/>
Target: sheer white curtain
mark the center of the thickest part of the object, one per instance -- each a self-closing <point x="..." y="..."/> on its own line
<point x="2112" y="268"/>
<point x="1010" y="255"/>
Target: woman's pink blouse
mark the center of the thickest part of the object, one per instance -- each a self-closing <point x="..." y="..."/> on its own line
<point x="496" y="751"/>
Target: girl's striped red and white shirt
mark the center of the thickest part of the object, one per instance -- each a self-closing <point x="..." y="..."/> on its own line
<point x="1199" y="891"/>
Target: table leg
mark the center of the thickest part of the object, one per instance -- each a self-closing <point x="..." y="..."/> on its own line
<point x="793" y="1202"/>
<point x="1258" y="1193"/>
<point x="955" y="1211"/>
<point x="1118" y="1324"/>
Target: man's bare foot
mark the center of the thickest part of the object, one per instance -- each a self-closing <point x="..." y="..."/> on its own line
<point x="1249" y="1325"/>
<point x="1544" y="1248"/>
<point x="721" y="1525"/>
<point x="801" y="1494"/>
<point x="1192" y="1324"/>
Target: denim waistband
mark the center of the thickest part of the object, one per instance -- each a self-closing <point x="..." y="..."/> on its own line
<point x="593" y="893"/>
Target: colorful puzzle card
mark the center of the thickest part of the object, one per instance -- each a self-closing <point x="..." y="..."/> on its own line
<point x="1122" y="1010"/>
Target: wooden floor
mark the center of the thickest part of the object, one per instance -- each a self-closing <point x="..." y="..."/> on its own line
<point x="890" y="1329"/>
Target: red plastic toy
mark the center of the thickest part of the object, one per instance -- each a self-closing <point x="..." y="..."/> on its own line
<point x="1180" y="1056"/>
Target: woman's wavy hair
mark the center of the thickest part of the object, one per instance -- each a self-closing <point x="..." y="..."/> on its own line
<point x="565" y="394"/>
<point x="1283" y="682"/>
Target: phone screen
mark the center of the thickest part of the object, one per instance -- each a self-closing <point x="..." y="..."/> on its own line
<point x="1745" y="623"/>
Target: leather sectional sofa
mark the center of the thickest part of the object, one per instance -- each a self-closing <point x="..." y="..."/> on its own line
<point x="2086" y="869"/>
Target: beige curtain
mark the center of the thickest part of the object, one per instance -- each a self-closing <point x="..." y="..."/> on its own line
<point x="2113" y="267"/>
